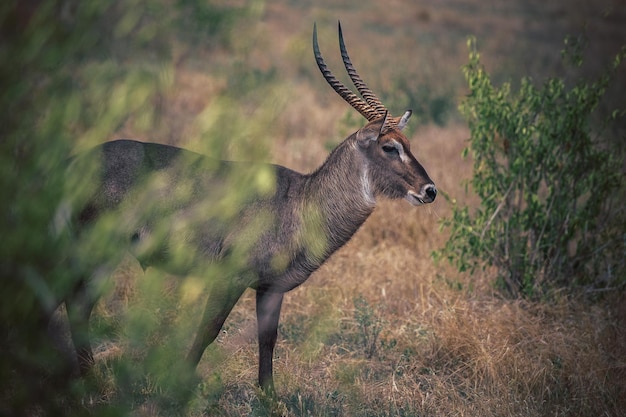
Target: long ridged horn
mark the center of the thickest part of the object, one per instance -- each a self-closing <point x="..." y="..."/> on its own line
<point x="358" y="82"/>
<point x="370" y="105"/>
<point x="348" y="95"/>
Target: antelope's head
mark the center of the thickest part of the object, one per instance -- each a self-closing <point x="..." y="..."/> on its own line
<point x="392" y="169"/>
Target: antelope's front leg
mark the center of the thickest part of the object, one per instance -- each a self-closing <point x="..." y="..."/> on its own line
<point x="267" y="312"/>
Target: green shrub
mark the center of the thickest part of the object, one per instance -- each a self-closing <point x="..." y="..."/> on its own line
<point x="550" y="187"/>
<point x="71" y="76"/>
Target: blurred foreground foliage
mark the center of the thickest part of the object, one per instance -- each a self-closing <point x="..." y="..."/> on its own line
<point x="549" y="174"/>
<point x="72" y="73"/>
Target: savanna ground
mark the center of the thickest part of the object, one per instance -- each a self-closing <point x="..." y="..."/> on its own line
<point x="380" y="329"/>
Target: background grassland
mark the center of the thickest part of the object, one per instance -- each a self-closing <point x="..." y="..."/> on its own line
<point x="380" y="329"/>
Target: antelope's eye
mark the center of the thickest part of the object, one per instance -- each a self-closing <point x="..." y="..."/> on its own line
<point x="390" y="150"/>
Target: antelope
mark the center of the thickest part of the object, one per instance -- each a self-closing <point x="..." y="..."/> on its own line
<point x="177" y="210"/>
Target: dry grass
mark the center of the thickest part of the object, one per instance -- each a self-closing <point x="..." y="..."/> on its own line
<point x="447" y="343"/>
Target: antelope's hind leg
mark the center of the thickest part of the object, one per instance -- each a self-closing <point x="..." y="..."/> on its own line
<point x="79" y="306"/>
<point x="222" y="298"/>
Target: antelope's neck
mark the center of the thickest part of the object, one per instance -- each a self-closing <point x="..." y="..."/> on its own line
<point x="339" y="197"/>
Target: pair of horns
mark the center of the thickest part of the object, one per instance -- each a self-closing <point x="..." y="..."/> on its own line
<point x="369" y="105"/>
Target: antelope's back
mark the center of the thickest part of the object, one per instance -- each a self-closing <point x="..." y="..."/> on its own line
<point x="167" y="202"/>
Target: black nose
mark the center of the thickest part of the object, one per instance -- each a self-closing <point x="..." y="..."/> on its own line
<point x="431" y="192"/>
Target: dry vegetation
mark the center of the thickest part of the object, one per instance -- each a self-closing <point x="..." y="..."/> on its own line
<point x="381" y="329"/>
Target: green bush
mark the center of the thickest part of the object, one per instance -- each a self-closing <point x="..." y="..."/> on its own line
<point x="550" y="187"/>
<point x="72" y="74"/>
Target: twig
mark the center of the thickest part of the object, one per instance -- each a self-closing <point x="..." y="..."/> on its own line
<point x="495" y="213"/>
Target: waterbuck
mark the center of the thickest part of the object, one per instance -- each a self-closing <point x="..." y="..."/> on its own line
<point x="265" y="226"/>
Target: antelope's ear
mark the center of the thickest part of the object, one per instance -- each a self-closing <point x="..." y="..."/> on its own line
<point x="372" y="131"/>
<point x="404" y="119"/>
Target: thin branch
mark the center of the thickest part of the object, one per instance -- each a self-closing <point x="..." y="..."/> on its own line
<point x="495" y="213"/>
<point x="543" y="229"/>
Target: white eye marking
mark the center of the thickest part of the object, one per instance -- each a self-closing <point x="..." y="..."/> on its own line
<point x="403" y="156"/>
<point x="398" y="147"/>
